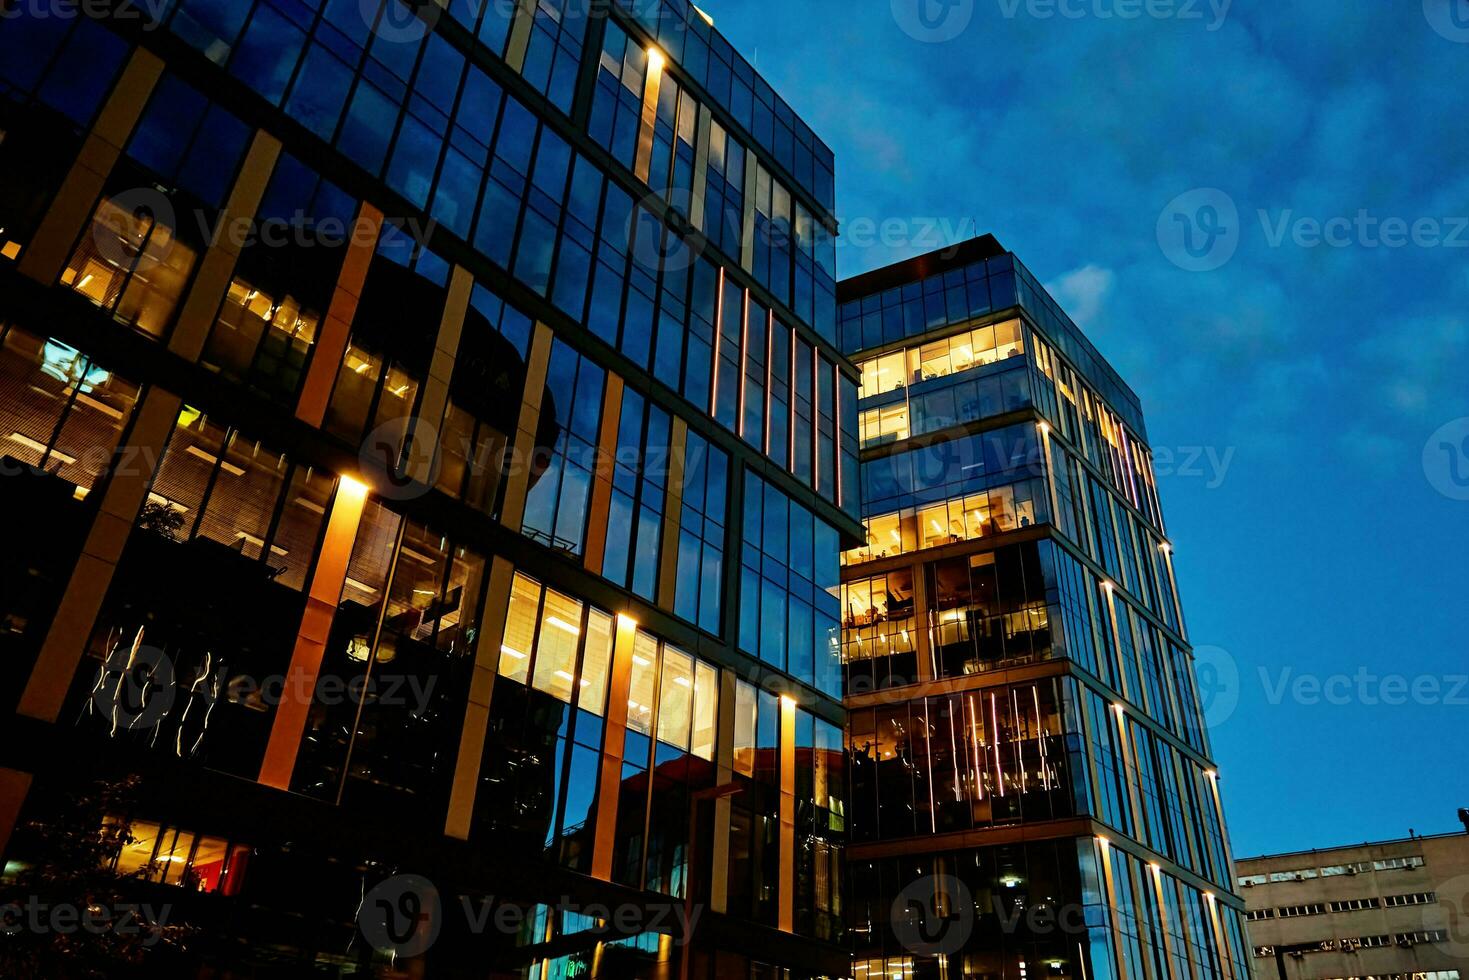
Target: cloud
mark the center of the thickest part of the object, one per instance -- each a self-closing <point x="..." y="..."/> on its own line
<point x="1081" y="292"/>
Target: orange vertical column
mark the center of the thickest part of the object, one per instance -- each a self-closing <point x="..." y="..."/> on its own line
<point x="127" y="487"/>
<point x="49" y="249"/>
<point x="652" y="86"/>
<point x="217" y="269"/>
<point x="321" y="608"/>
<point x="678" y="447"/>
<point x="787" y="815"/>
<point x="609" y="786"/>
<point x="601" y="504"/>
<point x="922" y="634"/>
<point x="523" y="452"/>
<point x="337" y="329"/>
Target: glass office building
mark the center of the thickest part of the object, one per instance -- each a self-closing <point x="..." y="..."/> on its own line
<point x="428" y="455"/>
<point x="1031" y="789"/>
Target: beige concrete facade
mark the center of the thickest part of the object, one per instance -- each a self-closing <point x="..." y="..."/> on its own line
<point x="1391" y="909"/>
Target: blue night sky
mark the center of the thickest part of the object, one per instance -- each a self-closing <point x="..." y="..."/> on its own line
<point x="1322" y="538"/>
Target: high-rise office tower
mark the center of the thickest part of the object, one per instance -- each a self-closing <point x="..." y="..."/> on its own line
<point x="1032" y="795"/>
<point x="427" y="459"/>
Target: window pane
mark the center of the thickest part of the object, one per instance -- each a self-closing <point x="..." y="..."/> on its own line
<point x="556" y="653"/>
<point x="595" y="664"/>
<point x="675" y="698"/>
<point x="520" y="629"/>
<point x="706" y="711"/>
<point x="138" y="854"/>
<point x="744" y="729"/>
<point x="640" y="691"/>
<point x="243" y="498"/>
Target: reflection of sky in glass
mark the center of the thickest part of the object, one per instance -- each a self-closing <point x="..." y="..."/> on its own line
<point x="1327" y="369"/>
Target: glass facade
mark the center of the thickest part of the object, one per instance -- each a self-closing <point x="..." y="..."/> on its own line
<point x="1015" y="660"/>
<point x="413" y="402"/>
<point x="441" y="458"/>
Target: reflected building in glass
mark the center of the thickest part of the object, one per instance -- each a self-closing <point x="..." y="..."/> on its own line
<point x="428" y="457"/>
<point x="1032" y="795"/>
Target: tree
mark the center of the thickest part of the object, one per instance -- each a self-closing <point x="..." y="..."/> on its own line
<point x="161" y="519"/>
<point x="64" y="913"/>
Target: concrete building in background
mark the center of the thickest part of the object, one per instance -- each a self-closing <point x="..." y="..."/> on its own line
<point x="1394" y="909"/>
<point x="1032" y="789"/>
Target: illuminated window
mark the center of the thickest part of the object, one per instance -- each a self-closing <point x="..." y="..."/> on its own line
<point x="675" y="698"/>
<point x="746" y="709"/>
<point x="596" y="662"/>
<point x="131" y="264"/>
<point x="284" y="281"/>
<point x="169" y="856"/>
<point x="520" y="629"/>
<point x="640" y="695"/>
<point x="560" y="637"/>
<point x="60" y="412"/>
<point x="369" y="394"/>
<point x="706" y="711"/>
<point x="215" y="483"/>
<point x="884" y="425"/>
